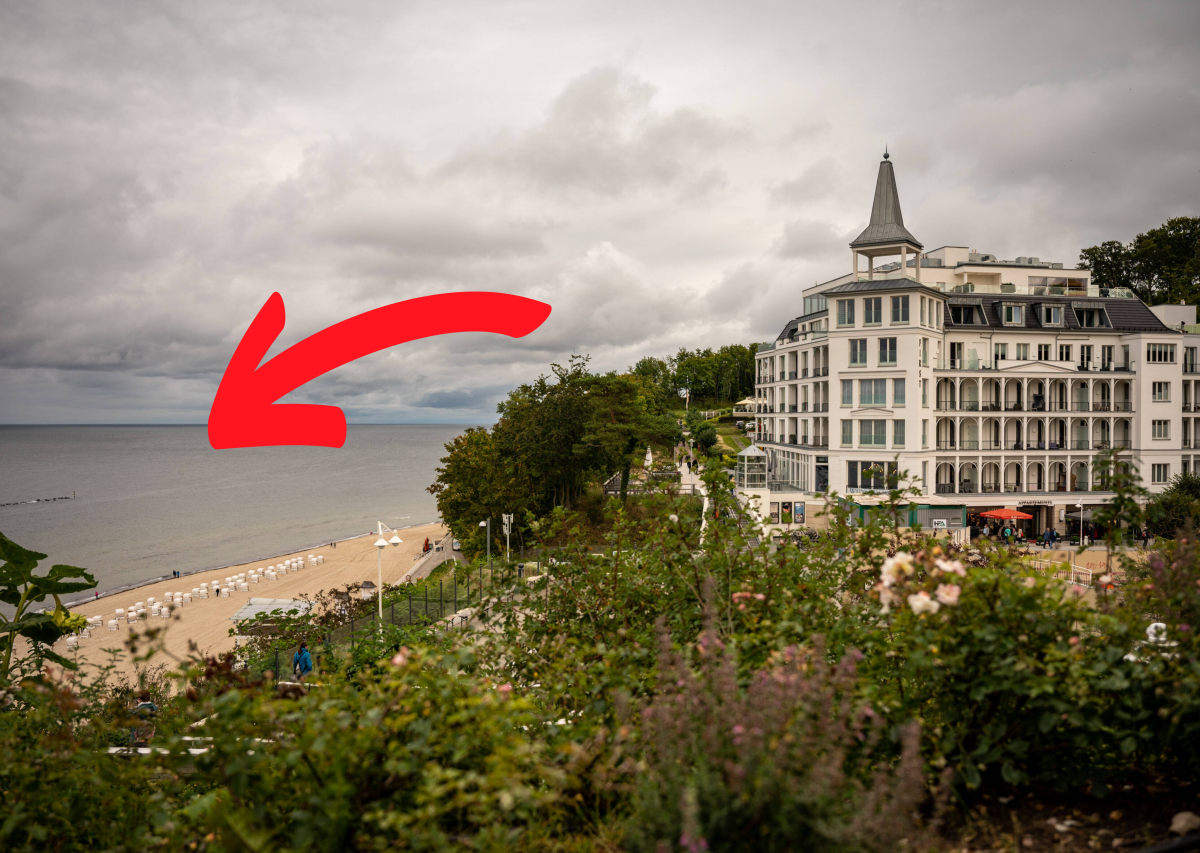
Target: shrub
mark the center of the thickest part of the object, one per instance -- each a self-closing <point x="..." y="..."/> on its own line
<point x="785" y="763"/>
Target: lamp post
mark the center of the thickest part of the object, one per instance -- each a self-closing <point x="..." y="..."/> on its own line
<point x="488" y="525"/>
<point x="380" y="544"/>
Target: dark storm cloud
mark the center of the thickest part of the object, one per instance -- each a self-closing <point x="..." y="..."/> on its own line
<point x="663" y="176"/>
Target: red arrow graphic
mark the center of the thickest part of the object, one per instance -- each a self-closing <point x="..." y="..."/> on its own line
<point x="244" y="412"/>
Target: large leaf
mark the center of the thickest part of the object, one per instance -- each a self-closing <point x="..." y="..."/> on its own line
<point x="17" y="569"/>
<point x="57" y="658"/>
<point x="43" y="632"/>
<point x="26" y="622"/>
<point x="55" y="582"/>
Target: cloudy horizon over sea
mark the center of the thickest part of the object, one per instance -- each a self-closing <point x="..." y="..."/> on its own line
<point x="150" y="500"/>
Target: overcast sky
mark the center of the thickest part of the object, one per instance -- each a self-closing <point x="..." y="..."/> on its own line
<point x="662" y="174"/>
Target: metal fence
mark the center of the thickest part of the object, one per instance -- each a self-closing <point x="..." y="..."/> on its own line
<point x="429" y="602"/>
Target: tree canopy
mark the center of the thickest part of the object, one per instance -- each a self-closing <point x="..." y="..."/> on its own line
<point x="1160" y="266"/>
<point x="554" y="436"/>
<point x="726" y="375"/>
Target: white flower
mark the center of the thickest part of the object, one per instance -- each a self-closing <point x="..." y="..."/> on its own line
<point x="893" y="567"/>
<point x="888" y="598"/>
<point x="947" y="593"/>
<point x="921" y="603"/>
<point x="674" y="519"/>
<point x="953" y="567"/>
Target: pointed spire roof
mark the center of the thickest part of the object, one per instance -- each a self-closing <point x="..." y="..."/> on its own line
<point x="887" y="223"/>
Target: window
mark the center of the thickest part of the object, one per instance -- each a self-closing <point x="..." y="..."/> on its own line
<point x="1160" y="473"/>
<point x="1092" y="318"/>
<point x="897" y="392"/>
<point x="871" y="433"/>
<point x="847" y="392"/>
<point x="1064" y="352"/>
<point x="1051" y="315"/>
<point x="845" y="312"/>
<point x="1043" y="352"/>
<point x="923" y="311"/>
<point x="899" y="309"/>
<point x="887" y="350"/>
<point x="847" y="433"/>
<point x="1160" y="353"/>
<point x="1161" y="392"/>
<point x="1161" y="429"/>
<point x="925" y="352"/>
<point x="1022" y="352"/>
<point x="963" y="314"/>
<point x="924" y="433"/>
<point x="925" y="393"/>
<point x="936" y="308"/>
<point x="858" y="352"/>
<point x="1014" y="315"/>
<point x="897" y="433"/>
<point x="872" y="392"/>
<point x="1001" y="352"/>
<point x="873" y="311"/>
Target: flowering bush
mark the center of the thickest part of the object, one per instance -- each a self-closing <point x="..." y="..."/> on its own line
<point x="787" y="762"/>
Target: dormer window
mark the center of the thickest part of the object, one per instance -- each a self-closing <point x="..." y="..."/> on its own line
<point x="1091" y="317"/>
<point x="1014" y="315"/>
<point x="1052" y="315"/>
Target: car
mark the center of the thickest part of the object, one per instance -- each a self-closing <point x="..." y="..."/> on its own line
<point x="741" y="424"/>
<point x="455" y="545"/>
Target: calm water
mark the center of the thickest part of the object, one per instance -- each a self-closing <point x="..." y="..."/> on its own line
<point x="150" y="500"/>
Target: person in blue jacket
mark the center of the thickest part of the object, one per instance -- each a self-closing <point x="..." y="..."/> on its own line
<point x="302" y="662"/>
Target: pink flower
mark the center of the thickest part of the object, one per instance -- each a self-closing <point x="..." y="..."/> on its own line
<point x="1074" y="641"/>
<point x="737" y="730"/>
<point x="953" y="567"/>
<point x="921" y="603"/>
<point x="505" y="689"/>
<point x="947" y="593"/>
<point x="401" y="657"/>
<point x="1030" y="582"/>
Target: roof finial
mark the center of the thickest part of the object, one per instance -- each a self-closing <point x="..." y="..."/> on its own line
<point x="885" y="153"/>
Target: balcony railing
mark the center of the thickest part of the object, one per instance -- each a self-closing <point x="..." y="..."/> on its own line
<point x="824" y="371"/>
<point x="1080" y="444"/>
<point x="792" y="440"/>
<point x="1104" y="366"/>
<point x="792" y="374"/>
<point x="945" y="488"/>
<point x="1191" y="367"/>
<point x="803" y="373"/>
<point x="792" y="407"/>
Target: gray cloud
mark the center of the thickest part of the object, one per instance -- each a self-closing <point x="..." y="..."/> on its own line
<point x="662" y="176"/>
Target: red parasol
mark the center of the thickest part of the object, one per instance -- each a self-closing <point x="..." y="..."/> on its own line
<point x="1003" y="514"/>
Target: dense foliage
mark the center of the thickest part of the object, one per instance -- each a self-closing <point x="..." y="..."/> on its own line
<point x="717" y="378"/>
<point x="554" y="437"/>
<point x="1160" y="266"/>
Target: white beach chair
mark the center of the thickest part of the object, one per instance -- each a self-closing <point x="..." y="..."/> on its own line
<point x="224" y="592"/>
<point x="155" y="609"/>
<point x="72" y="642"/>
<point x="112" y="624"/>
<point x="132" y="617"/>
<point x="120" y="612"/>
<point x="187" y="598"/>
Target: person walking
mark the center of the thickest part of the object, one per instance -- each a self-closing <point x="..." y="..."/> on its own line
<point x="1047" y="539"/>
<point x="302" y="661"/>
<point x="1006" y="536"/>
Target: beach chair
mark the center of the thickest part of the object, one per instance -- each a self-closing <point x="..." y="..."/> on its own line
<point x="112" y="624"/>
<point x="72" y="643"/>
<point x="224" y="592"/>
<point x="187" y="598"/>
<point x="120" y="612"/>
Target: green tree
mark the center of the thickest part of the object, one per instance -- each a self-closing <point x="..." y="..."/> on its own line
<point x="1172" y="509"/>
<point x="1161" y="265"/>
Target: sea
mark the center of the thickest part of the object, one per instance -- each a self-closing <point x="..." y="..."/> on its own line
<point x="144" y="501"/>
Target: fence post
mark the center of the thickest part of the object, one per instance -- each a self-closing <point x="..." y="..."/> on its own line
<point x="351" y="632"/>
<point x="410" y="604"/>
<point x="441" y="598"/>
<point x="426" y="614"/>
<point x="456" y="593"/>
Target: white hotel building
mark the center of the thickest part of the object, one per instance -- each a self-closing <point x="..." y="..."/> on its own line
<point x="993" y="383"/>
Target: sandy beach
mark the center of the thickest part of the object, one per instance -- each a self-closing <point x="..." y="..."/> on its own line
<point x="207" y="621"/>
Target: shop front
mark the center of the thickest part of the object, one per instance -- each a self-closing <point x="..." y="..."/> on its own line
<point x="1043" y="517"/>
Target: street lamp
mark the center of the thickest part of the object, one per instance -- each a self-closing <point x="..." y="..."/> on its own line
<point x="380" y="544"/>
<point x="488" y="525"/>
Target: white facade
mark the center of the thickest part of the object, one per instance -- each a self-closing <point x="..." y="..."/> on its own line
<point x="992" y="383"/>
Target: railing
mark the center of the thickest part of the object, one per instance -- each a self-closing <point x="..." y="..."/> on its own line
<point x="990" y="488"/>
<point x="803" y="374"/>
<point x="1080" y="444"/>
<point x="820" y="407"/>
<point x="1012" y="487"/>
<point x="968" y="488"/>
<point x="822" y="441"/>
<point x="1104" y="367"/>
<point x="824" y="371"/>
<point x="792" y="439"/>
<point x="1191" y="367"/>
<point x="792" y="375"/>
<point x="944" y="488"/>
<point x="1123" y="406"/>
<point x="792" y="407"/>
<point x="946" y="406"/>
<point x="1014" y="406"/>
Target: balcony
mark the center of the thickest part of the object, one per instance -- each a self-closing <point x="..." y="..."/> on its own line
<point x="824" y="371"/>
<point x="1191" y="367"/>
<point x="1014" y="406"/>
<point x="946" y="406"/>
<point x="969" y="406"/>
<point x="1080" y="444"/>
<point x="820" y="407"/>
<point x="945" y="488"/>
<point x="803" y="374"/>
<point x="1104" y="367"/>
<point x="990" y="488"/>
<point x="792" y="440"/>
<point x="820" y="441"/>
<point x="1122" y="406"/>
<point x="782" y="375"/>
<point x="792" y="407"/>
<point x="1103" y="406"/>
